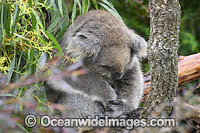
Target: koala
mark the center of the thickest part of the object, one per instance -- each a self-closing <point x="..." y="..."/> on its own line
<point x="87" y="96"/>
<point x="110" y="54"/>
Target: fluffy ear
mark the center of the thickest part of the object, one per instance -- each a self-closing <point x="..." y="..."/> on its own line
<point x="138" y="44"/>
<point x="81" y="45"/>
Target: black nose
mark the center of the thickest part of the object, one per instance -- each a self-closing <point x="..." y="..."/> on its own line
<point x="117" y="75"/>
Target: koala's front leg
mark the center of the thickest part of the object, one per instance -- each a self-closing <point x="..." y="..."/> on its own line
<point x="130" y="87"/>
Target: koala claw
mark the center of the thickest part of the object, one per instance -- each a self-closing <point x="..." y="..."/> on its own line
<point x="113" y="108"/>
<point x="101" y="116"/>
<point x="134" y="113"/>
<point x="115" y="102"/>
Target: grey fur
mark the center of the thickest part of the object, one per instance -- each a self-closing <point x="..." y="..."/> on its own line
<point x="106" y="47"/>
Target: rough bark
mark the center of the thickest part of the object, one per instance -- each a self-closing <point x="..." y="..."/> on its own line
<point x="162" y="52"/>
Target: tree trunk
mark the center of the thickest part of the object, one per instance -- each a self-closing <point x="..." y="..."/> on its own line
<point x="162" y="52"/>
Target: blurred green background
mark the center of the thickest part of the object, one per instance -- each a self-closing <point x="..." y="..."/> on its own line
<point x="135" y="13"/>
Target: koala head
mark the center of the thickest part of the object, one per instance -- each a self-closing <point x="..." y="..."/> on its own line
<point x="115" y="57"/>
<point x="104" y="43"/>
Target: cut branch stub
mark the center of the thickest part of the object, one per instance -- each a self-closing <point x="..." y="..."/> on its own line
<point x="188" y="70"/>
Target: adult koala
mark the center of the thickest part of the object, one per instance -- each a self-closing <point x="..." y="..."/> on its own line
<point x="109" y="52"/>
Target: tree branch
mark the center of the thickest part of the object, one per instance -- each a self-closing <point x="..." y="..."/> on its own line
<point x="188" y="70"/>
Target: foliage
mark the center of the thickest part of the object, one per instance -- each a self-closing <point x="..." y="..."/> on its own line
<point x="136" y="15"/>
<point x="29" y="29"/>
<point x="190" y="28"/>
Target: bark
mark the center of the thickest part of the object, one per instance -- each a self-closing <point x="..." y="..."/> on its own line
<point x="162" y="52"/>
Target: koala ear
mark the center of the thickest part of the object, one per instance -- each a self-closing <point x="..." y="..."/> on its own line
<point x="138" y="44"/>
<point x="84" y="46"/>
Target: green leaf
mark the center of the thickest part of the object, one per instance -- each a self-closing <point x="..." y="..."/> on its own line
<point x="53" y="2"/>
<point x="85" y="6"/>
<point x="43" y="42"/>
<point x="22" y="128"/>
<point x="37" y="18"/>
<point x="79" y="5"/>
<point x="88" y="6"/>
<point x="2" y="16"/>
<point x="43" y="18"/>
<point x="54" y="22"/>
<point x="30" y="3"/>
<point x="55" y="42"/>
<point x="35" y="3"/>
<point x="16" y="17"/>
<point x="109" y="4"/>
<point x="17" y="68"/>
<point x="62" y="32"/>
<point x="1" y="36"/>
<point x="30" y="65"/>
<point x="74" y="11"/>
<point x="34" y="22"/>
<point x="7" y="95"/>
<point x="1" y="22"/>
<point x="66" y="12"/>
<point x="10" y="71"/>
<point x="8" y="21"/>
<point x="60" y="6"/>
<point x="110" y="9"/>
<point x="95" y="4"/>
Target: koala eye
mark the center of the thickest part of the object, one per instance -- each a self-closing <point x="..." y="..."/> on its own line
<point x="81" y="36"/>
<point x="132" y="52"/>
<point x="106" y="67"/>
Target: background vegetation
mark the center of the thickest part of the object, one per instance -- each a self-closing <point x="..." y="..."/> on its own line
<point x="30" y="28"/>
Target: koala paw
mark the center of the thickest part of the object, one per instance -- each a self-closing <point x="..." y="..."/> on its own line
<point x="113" y="109"/>
<point x="115" y="102"/>
<point x="135" y="114"/>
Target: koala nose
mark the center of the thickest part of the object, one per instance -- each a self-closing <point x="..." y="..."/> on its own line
<point x="117" y="75"/>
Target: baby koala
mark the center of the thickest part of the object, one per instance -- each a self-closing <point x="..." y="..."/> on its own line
<point x="109" y="52"/>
